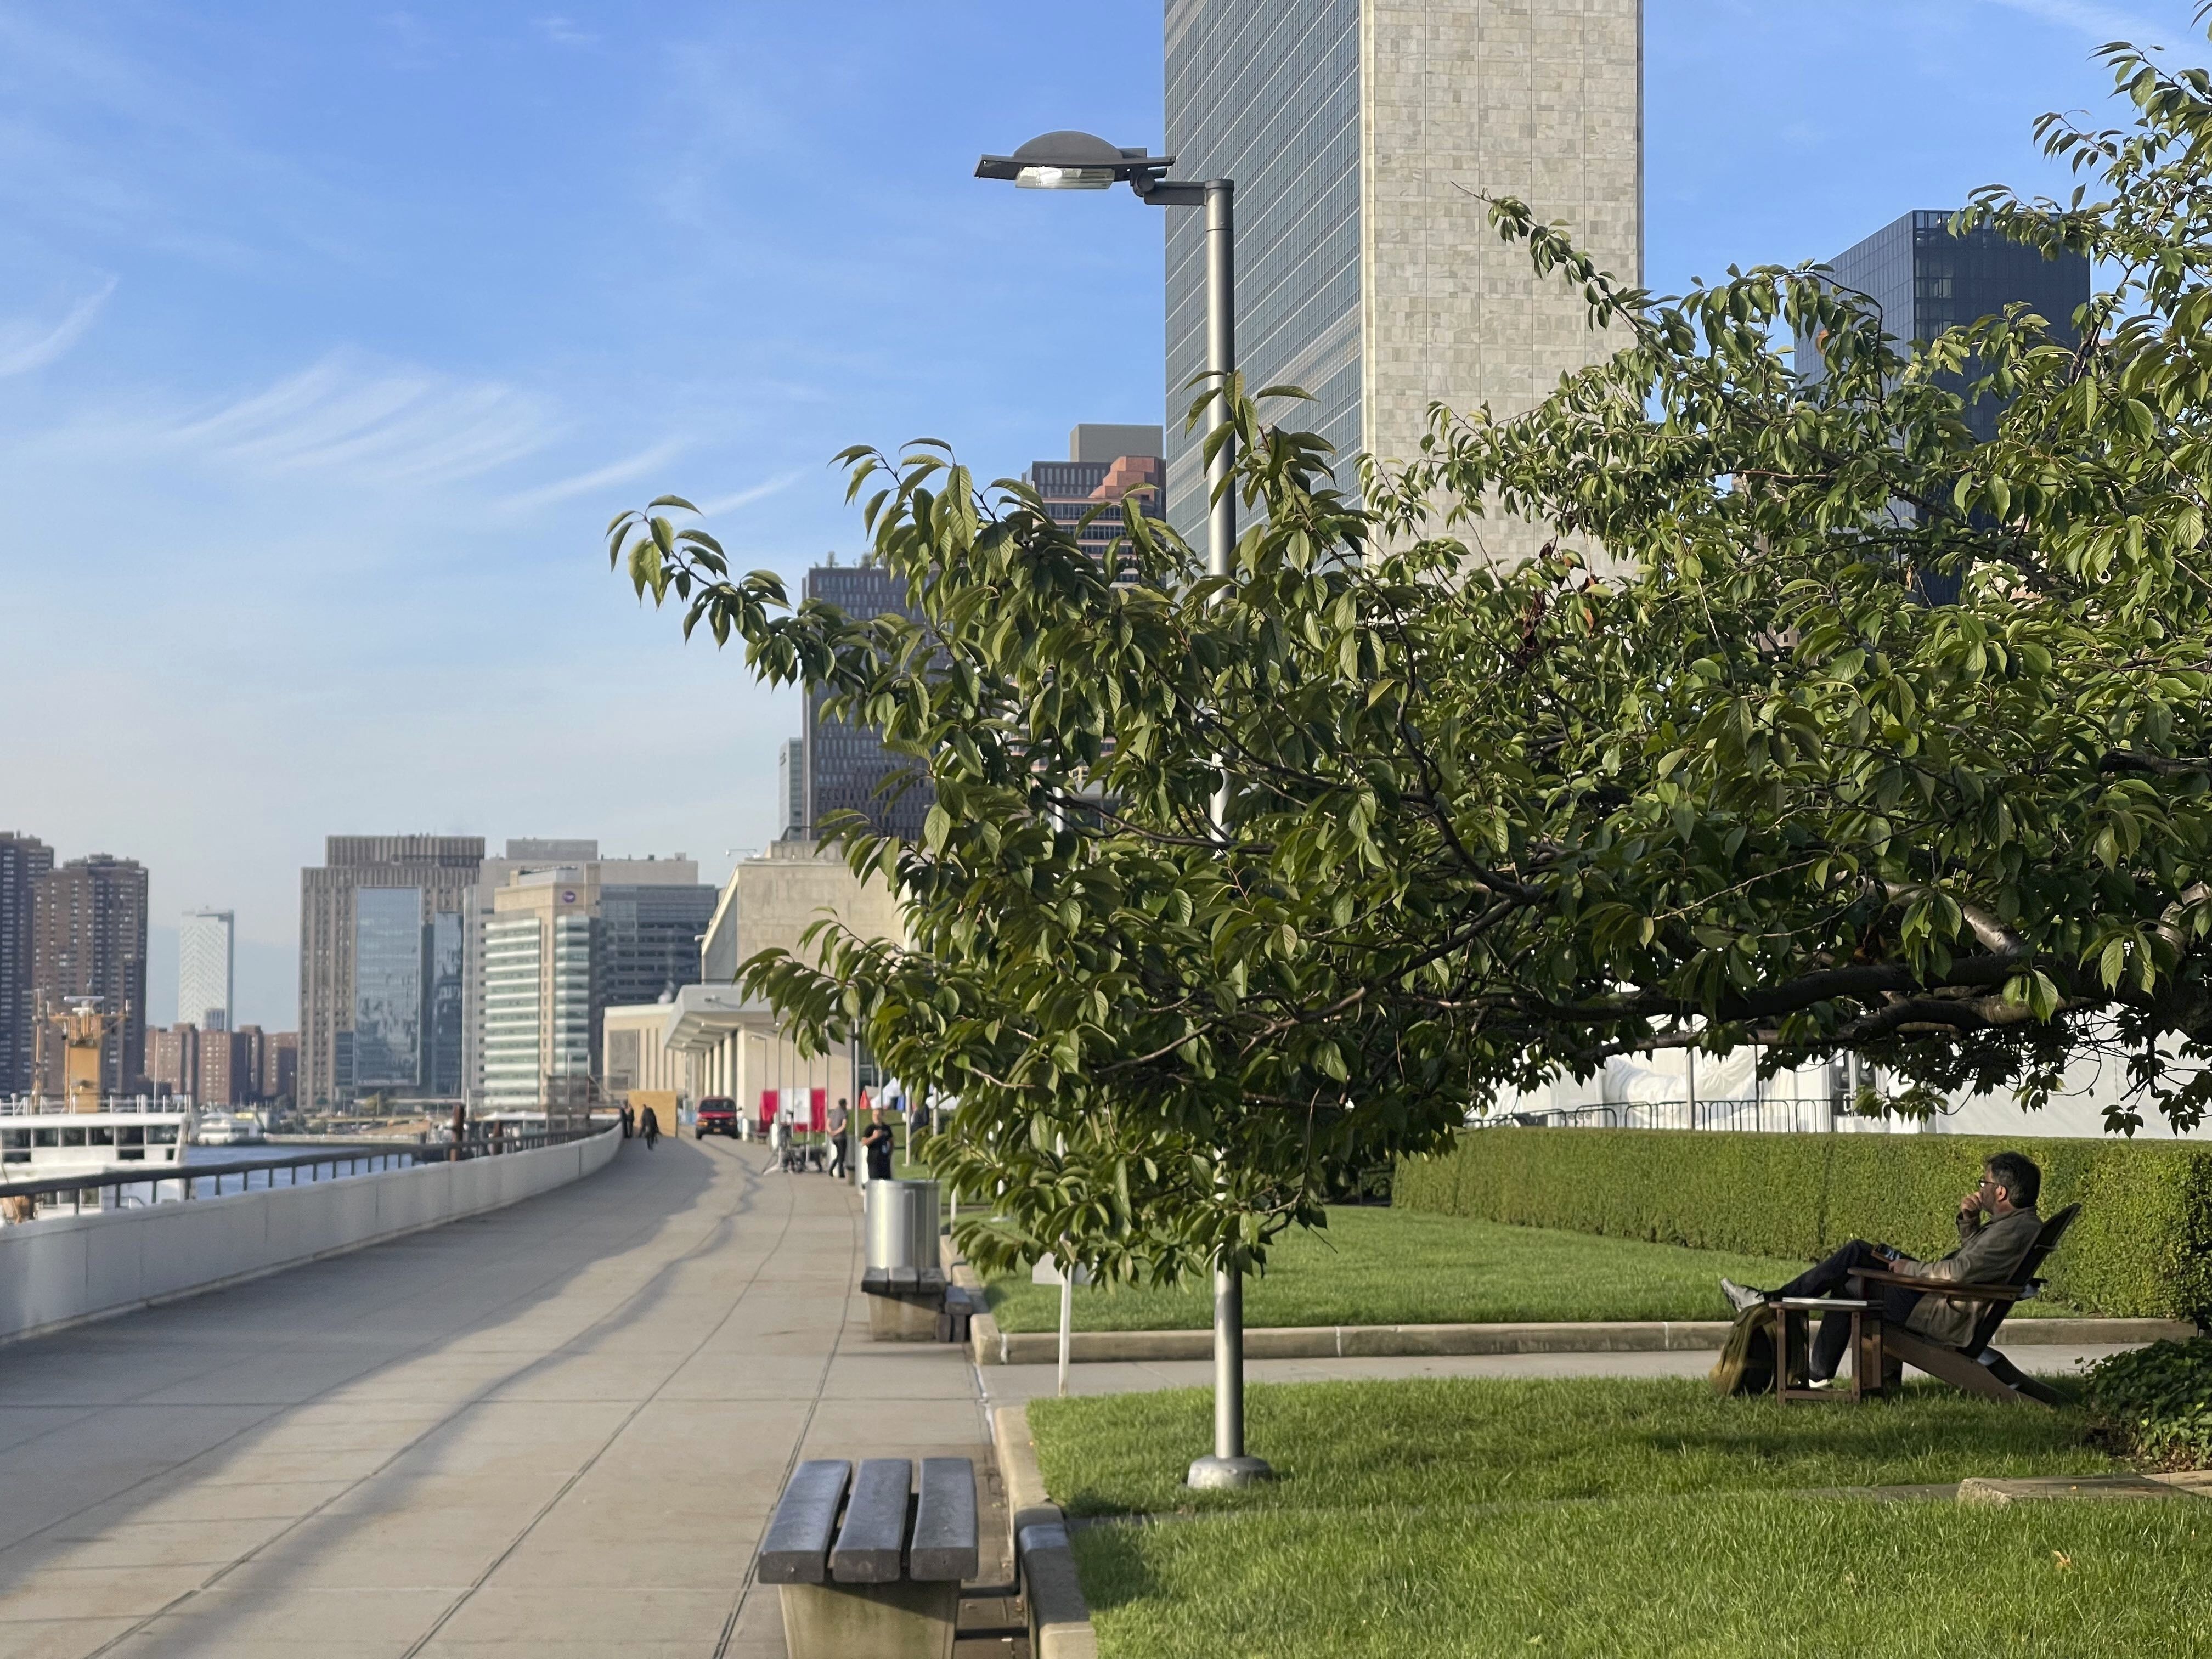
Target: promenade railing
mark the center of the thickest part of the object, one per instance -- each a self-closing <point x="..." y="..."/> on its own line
<point x="130" y="1186"/>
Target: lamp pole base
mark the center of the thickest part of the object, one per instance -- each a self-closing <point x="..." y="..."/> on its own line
<point x="1226" y="1474"/>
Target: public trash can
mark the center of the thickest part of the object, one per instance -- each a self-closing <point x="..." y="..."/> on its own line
<point x="905" y="1277"/>
<point x="902" y="1224"/>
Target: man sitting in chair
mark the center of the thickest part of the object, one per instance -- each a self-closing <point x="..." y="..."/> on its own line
<point x="1990" y="1252"/>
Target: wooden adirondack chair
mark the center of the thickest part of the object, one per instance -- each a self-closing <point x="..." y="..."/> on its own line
<point x="1974" y="1365"/>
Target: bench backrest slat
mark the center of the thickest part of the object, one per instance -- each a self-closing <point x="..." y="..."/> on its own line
<point x="797" y="1548"/>
<point x="945" y="1522"/>
<point x="871" y="1546"/>
<point x="2046" y="1240"/>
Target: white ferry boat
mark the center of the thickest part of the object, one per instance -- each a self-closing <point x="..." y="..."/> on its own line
<point x="41" y="1140"/>
<point x="229" y="1129"/>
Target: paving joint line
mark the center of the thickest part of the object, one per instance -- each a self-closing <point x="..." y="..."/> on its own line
<point x="783" y="1234"/>
<point x="747" y="1583"/>
<point x="402" y="1358"/>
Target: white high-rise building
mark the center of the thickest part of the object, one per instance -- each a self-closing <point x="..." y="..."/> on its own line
<point x="206" y="962"/>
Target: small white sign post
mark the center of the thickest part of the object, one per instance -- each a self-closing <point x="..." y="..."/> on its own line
<point x="1047" y="1272"/>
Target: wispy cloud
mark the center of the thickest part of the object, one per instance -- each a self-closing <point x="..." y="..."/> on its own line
<point x="621" y="472"/>
<point x="756" y="492"/>
<point x="374" y="425"/>
<point x="26" y="344"/>
<point x="2105" y="23"/>
<point x="564" y="32"/>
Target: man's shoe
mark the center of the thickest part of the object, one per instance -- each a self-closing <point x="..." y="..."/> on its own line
<point x="1824" y="1383"/>
<point x="1741" y="1296"/>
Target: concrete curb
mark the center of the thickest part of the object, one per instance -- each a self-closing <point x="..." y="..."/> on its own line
<point x="1060" y="1619"/>
<point x="1992" y="1492"/>
<point x="995" y="1347"/>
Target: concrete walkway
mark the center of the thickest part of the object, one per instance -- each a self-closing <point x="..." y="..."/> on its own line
<point x="553" y="1429"/>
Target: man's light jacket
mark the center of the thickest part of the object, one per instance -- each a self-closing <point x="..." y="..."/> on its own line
<point x="1989" y="1253"/>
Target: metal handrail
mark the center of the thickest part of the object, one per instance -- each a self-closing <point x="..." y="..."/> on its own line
<point x="378" y="1157"/>
<point x="1789" y="1114"/>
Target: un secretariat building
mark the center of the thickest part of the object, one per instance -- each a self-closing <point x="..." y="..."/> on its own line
<point x="1360" y="134"/>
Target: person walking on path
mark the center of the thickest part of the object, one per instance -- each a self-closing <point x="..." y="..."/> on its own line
<point x="651" y="1126"/>
<point x="840" y="1122"/>
<point x="876" y="1143"/>
<point x="628" y="1121"/>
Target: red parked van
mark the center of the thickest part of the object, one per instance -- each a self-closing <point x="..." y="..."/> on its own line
<point x="718" y="1114"/>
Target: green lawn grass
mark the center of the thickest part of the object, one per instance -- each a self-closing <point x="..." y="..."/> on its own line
<point x="1384" y="1267"/>
<point x="1607" y="1516"/>
<point x="1738" y="1576"/>
<point x="1466" y="1441"/>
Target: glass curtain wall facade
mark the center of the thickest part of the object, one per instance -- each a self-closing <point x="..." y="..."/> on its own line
<point x="407" y="995"/>
<point x="1924" y="280"/>
<point x="1266" y="92"/>
<point x="387" y="988"/>
<point x="442" y="1007"/>
<point x="649" y="944"/>
<point x="848" y="768"/>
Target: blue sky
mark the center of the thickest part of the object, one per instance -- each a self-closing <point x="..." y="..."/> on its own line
<point x="331" y="336"/>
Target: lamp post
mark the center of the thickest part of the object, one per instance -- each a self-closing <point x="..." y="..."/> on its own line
<point x="1081" y="160"/>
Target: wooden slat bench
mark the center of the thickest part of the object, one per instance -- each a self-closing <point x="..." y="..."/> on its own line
<point x="870" y="1564"/>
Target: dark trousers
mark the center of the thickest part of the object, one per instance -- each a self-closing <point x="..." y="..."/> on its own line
<point x="1837" y="1275"/>
<point x="837" y="1155"/>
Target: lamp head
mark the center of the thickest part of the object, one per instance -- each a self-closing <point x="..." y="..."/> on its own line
<point x="1071" y="160"/>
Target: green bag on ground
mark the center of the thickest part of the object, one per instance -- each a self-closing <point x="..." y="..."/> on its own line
<point x="1746" y="1361"/>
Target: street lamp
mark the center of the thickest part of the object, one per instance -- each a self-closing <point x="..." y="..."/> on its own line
<point x="1082" y="160"/>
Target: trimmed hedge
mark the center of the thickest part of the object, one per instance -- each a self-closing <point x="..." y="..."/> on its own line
<point x="2141" y="1248"/>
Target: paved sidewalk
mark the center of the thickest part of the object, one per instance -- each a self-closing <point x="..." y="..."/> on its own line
<point x="555" y="1429"/>
<point x="1008" y="1385"/>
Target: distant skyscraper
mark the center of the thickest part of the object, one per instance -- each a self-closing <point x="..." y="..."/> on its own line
<point x="380" y="967"/>
<point x="846" y="765"/>
<point x="791" y="789"/>
<point x="1362" y="135"/>
<point x="1103" y="465"/>
<point x="1924" y="280"/>
<point x="88" y="938"/>
<point x="522" y="852"/>
<point x="23" y="860"/>
<point x="206" y="958"/>
<point x="565" y="942"/>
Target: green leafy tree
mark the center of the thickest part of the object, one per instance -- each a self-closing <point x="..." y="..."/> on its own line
<point x="1734" y="780"/>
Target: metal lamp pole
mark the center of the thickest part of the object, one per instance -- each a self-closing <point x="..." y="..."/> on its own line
<point x="1079" y="160"/>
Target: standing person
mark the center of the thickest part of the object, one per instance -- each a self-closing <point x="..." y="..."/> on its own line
<point x="652" y="1127"/>
<point x="628" y="1121"/>
<point x="876" y="1143"/>
<point x="840" y="1120"/>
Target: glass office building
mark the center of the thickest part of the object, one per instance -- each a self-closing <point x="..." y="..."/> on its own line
<point x="387" y="988"/>
<point x="406" y="1031"/>
<point x="1267" y="94"/>
<point x="847" y="767"/>
<point x="1923" y="280"/>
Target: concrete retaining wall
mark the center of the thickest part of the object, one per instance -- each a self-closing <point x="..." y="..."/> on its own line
<point x="64" y="1269"/>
